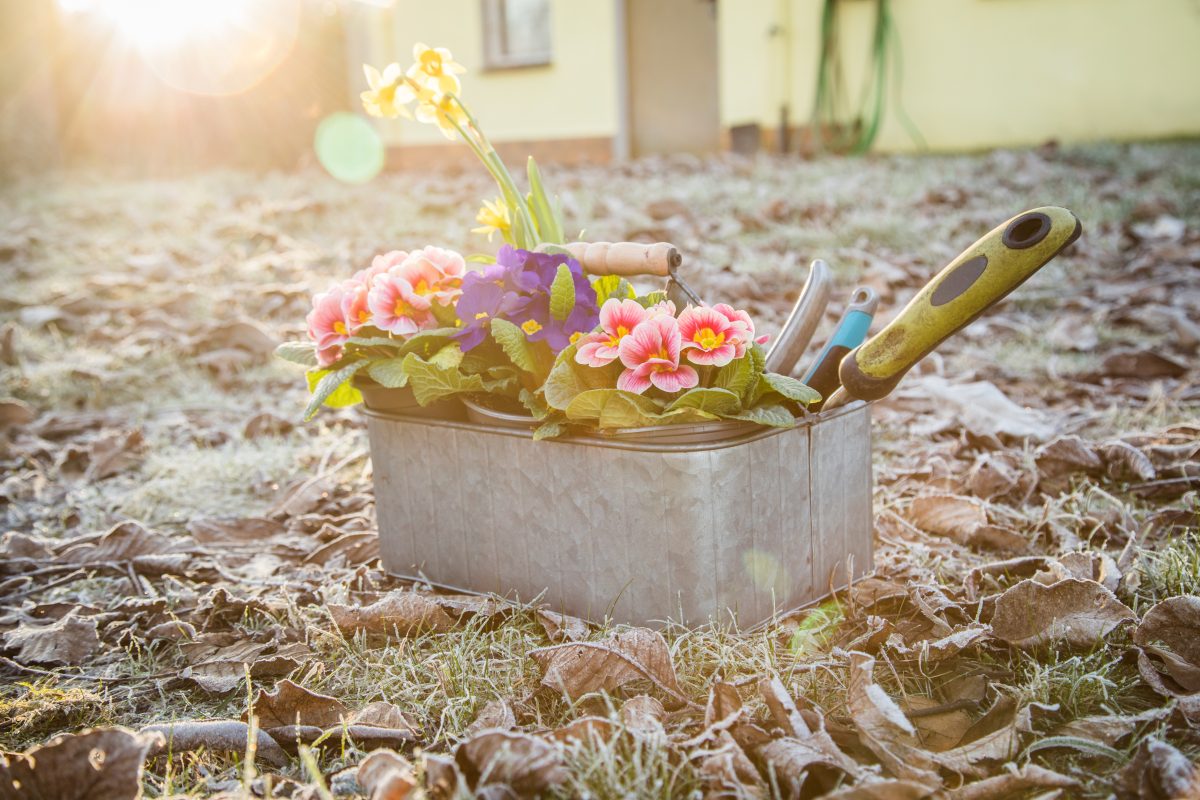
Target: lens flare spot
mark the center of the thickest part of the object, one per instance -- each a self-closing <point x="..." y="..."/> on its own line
<point x="349" y="148"/>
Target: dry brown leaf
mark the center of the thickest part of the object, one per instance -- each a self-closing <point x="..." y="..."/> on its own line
<point x="243" y="529"/>
<point x="782" y="707"/>
<point x="1110" y="728"/>
<point x="1088" y="565"/>
<point x="938" y="732"/>
<point x="524" y="764"/>
<point x="983" y="409"/>
<point x="292" y="704"/>
<point x="238" y="335"/>
<point x="402" y="612"/>
<point x="387" y="775"/>
<point x="221" y="668"/>
<point x="625" y="656"/>
<point x="380" y="724"/>
<point x="1078" y="613"/>
<point x="586" y="730"/>
<point x="643" y="717"/>
<point x="69" y="641"/>
<point x="113" y="452"/>
<point x="14" y="545"/>
<point x="948" y="515"/>
<point x="990" y="477"/>
<point x="881" y="789"/>
<point x="1158" y="771"/>
<point x="1124" y="462"/>
<point x="994" y="737"/>
<point x="1058" y="460"/>
<point x="1171" y="631"/>
<point x="496" y="714"/>
<point x="350" y="549"/>
<point x="561" y="627"/>
<point x="266" y="424"/>
<point x="100" y="764"/>
<point x="1012" y="782"/>
<point x="1142" y="364"/>
<point x="14" y="414"/>
<point x="726" y="772"/>
<point x="123" y="542"/>
<point x="171" y="631"/>
<point x="884" y="729"/>
<point x="218" y="735"/>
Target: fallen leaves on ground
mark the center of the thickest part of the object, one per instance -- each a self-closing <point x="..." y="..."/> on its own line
<point x="101" y="764"/>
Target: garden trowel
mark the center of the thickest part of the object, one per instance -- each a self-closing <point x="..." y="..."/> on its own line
<point x="971" y="284"/>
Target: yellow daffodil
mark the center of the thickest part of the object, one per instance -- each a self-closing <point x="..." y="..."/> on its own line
<point x="493" y="217"/>
<point x="442" y="110"/>
<point x="436" y="69"/>
<point x="389" y="94"/>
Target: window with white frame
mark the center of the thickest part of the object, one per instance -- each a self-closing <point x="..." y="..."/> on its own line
<point x="516" y="33"/>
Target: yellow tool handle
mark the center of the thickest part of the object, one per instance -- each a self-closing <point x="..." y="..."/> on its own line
<point x="625" y="258"/>
<point x="986" y="272"/>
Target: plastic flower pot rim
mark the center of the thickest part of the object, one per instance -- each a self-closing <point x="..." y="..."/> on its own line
<point x="618" y="443"/>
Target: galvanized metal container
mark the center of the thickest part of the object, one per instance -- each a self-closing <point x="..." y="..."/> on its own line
<point x="750" y="525"/>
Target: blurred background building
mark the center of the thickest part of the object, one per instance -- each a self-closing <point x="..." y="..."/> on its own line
<point x="133" y="82"/>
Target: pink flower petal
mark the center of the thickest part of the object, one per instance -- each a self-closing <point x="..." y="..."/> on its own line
<point x="683" y="377"/>
<point x="630" y="381"/>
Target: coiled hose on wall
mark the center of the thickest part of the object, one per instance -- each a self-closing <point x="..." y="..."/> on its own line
<point x="830" y="94"/>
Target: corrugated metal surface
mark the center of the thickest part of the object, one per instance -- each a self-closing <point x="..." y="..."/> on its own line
<point x="642" y="532"/>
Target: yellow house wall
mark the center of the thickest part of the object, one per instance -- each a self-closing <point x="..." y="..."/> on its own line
<point x="980" y="73"/>
<point x="574" y="96"/>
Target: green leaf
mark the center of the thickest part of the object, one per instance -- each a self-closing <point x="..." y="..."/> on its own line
<point x="512" y="340"/>
<point x="389" y="372"/>
<point x="737" y="376"/>
<point x="773" y="415"/>
<point x="375" y="341"/>
<point x="448" y="357"/>
<point x="302" y="353"/>
<point x="562" y="293"/>
<point x="613" y="408"/>
<point x="758" y="387"/>
<point x="651" y="298"/>
<point x="431" y="382"/>
<point x="332" y="388"/>
<point x="534" y="404"/>
<point x="549" y="430"/>
<point x="481" y="258"/>
<point x="568" y="379"/>
<point x="608" y="286"/>
<point x="545" y="216"/>
<point x="714" y="401"/>
<point x="791" y="388"/>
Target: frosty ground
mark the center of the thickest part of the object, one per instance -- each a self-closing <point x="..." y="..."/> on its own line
<point x="170" y="519"/>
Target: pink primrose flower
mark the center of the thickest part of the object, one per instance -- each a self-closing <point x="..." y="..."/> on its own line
<point x="618" y="318"/>
<point x="708" y="336"/>
<point x="651" y="358"/>
<point x="379" y="265"/>
<point x="743" y="328"/>
<point x="327" y="321"/>
<point x="396" y="306"/>
<point x="435" y="272"/>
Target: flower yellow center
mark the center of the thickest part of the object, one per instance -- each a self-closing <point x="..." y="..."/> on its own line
<point x="340" y="328"/>
<point x="707" y="339"/>
<point x="431" y="62"/>
<point x="403" y="309"/>
<point x="662" y="353"/>
<point x="531" y="326"/>
<point x="422" y="287"/>
<point x="481" y="315"/>
<point x="576" y="336"/>
<point x="364" y="315"/>
<point x="616" y="338"/>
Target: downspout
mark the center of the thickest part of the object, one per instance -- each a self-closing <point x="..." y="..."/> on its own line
<point x="622" y="147"/>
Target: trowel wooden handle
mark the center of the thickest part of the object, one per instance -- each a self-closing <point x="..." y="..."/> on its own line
<point x="625" y="258"/>
<point x="984" y="273"/>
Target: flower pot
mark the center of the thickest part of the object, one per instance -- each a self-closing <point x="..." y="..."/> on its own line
<point x="377" y="397"/>
<point x="599" y="526"/>
<point x="696" y="433"/>
<point x="480" y="412"/>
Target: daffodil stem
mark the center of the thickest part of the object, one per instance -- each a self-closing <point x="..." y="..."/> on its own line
<point x="486" y="153"/>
